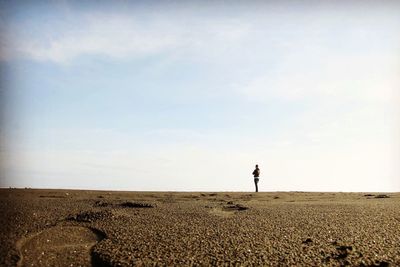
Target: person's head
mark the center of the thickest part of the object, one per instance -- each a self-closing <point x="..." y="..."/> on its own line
<point x="256" y="165"/>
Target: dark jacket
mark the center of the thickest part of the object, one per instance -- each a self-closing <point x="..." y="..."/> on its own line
<point x="256" y="173"/>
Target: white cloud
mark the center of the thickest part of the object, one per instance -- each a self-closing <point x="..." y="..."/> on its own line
<point x="257" y="36"/>
<point x="345" y="77"/>
<point x="114" y="37"/>
<point x="122" y="37"/>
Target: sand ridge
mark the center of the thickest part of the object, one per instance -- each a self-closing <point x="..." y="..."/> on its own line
<point x="99" y="228"/>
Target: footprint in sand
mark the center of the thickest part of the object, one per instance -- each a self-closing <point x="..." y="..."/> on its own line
<point x="227" y="210"/>
<point x="59" y="246"/>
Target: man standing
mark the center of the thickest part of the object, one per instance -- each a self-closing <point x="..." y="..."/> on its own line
<point x="256" y="174"/>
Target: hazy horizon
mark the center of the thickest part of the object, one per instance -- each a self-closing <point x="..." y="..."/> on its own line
<point x="189" y="96"/>
<point x="191" y="191"/>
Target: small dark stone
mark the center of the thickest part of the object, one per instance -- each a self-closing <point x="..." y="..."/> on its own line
<point x="343" y="251"/>
<point x="342" y="255"/>
<point x="15" y="257"/>
<point x="382" y="264"/>
<point x="344" y="248"/>
<point x="307" y="241"/>
<point x="100" y="260"/>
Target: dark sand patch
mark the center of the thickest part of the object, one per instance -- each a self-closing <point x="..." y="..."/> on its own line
<point x="136" y="205"/>
<point x="369" y="196"/>
<point x="235" y="207"/>
<point x="382" y="196"/>
<point x="52" y="196"/>
<point x="90" y="216"/>
<point x="124" y="204"/>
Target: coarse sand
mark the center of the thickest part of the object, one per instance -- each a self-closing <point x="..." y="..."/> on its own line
<point x="110" y="228"/>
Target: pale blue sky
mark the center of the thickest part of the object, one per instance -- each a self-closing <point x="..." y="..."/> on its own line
<point x="190" y="95"/>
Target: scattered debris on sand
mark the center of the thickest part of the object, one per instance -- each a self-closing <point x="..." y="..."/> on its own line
<point x="90" y="216"/>
<point x="136" y="205"/>
<point x="235" y="207"/>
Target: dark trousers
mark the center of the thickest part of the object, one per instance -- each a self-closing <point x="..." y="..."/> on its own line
<point x="256" y="183"/>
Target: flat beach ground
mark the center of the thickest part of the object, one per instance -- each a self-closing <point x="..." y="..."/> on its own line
<point x="108" y="228"/>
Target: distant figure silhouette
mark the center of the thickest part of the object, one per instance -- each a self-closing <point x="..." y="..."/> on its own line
<point x="256" y="174"/>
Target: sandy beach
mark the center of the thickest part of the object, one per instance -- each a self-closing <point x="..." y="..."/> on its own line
<point x="100" y="228"/>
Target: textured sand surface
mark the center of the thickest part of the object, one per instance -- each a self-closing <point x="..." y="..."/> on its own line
<point x="99" y="228"/>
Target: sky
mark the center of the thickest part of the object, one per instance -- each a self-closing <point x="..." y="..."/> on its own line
<point x="190" y="95"/>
